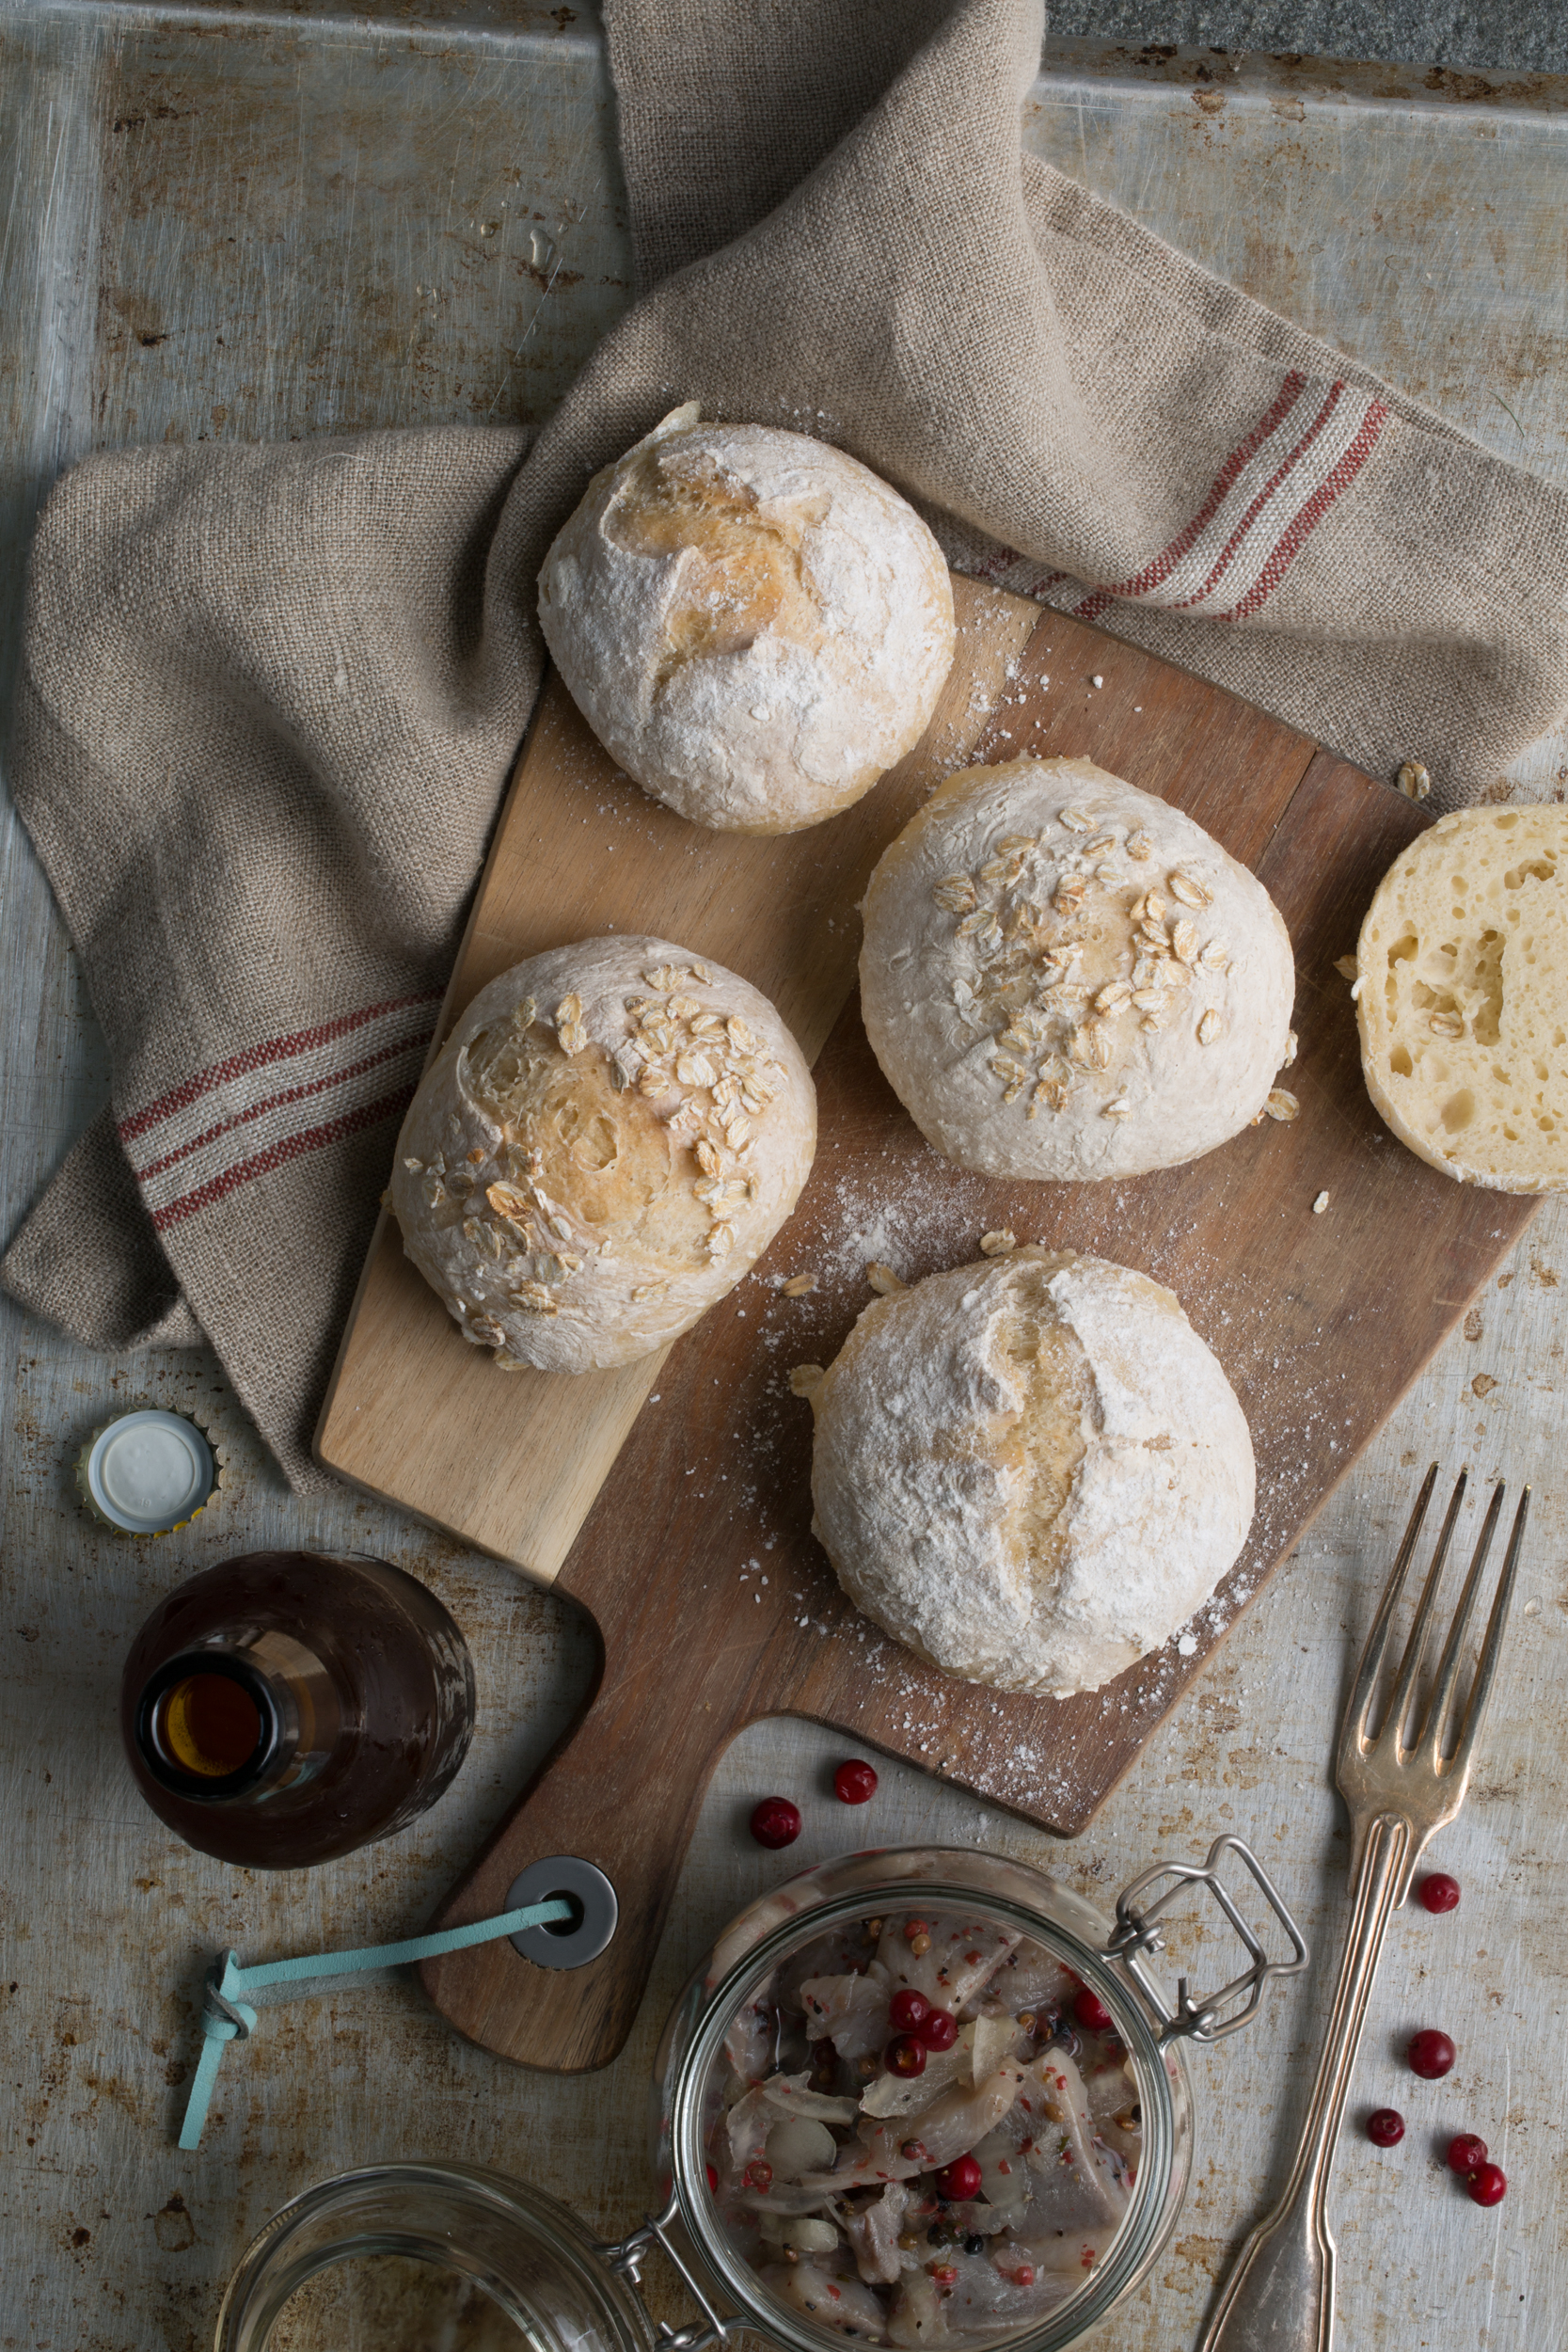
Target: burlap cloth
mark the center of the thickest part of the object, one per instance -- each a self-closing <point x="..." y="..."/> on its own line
<point x="270" y="697"/>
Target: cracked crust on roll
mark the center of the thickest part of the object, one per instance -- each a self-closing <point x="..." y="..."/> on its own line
<point x="1030" y="1471"/>
<point x="606" y="1144"/>
<point x="753" y="624"/>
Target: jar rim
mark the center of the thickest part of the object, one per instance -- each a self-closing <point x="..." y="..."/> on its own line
<point x="807" y="1907"/>
<point x="268" y="2274"/>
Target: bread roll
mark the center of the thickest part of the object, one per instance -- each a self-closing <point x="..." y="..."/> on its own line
<point x="1462" y="997"/>
<point x="753" y="625"/>
<point x="1064" y="977"/>
<point x="1031" y="1470"/>
<point x="610" y="1136"/>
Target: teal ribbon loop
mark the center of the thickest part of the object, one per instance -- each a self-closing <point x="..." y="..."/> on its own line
<point x="226" y="2016"/>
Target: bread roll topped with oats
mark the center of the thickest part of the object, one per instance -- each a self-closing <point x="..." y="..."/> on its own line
<point x="1462" y="997"/>
<point x="1031" y="1470"/>
<point x="1064" y="977"/>
<point x="753" y="624"/>
<point x="609" y="1140"/>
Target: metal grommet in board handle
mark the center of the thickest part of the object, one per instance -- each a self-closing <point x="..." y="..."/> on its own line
<point x="570" y="1944"/>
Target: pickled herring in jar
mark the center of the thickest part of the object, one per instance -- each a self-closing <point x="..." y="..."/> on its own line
<point x="919" y="2135"/>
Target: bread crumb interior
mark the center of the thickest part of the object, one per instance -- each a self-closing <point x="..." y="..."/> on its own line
<point x="1473" y="970"/>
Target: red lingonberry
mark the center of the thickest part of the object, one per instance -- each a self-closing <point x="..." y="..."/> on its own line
<point x="758" y="2175"/>
<point x="776" y="1822"/>
<point x="713" y="2176"/>
<point x="1091" y="2011"/>
<point x="1431" y="2054"/>
<point x="1488" y="2185"/>
<point x="1385" y="2127"/>
<point x="938" y="2030"/>
<point x="904" y="2055"/>
<point x="855" y="1783"/>
<point x="1023" y="2276"/>
<point x="1438" y="1892"/>
<point x="909" y="2010"/>
<point x="1466" y="2153"/>
<point x="960" y="2181"/>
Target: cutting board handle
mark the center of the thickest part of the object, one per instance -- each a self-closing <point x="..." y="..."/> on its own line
<point x="623" y="1794"/>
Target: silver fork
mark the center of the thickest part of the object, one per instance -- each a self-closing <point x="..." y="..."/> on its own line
<point x="1279" y="2298"/>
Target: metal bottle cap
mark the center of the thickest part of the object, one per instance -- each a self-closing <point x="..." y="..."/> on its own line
<point x="149" y="1473"/>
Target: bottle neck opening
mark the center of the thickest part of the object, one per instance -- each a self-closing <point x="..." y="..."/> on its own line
<point x="210" y="1726"/>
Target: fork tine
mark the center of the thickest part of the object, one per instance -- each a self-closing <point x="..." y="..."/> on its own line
<point x="1397" y="1708"/>
<point x="1492" y="1645"/>
<point x="1448" y="1670"/>
<point x="1377" y="1640"/>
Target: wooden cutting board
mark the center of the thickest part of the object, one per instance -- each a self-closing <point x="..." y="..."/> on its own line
<point x="671" y="1500"/>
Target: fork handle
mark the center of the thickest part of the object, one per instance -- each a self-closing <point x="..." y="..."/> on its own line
<point x="1279" y="2298"/>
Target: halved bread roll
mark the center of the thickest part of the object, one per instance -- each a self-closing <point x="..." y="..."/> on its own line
<point x="1462" y="997"/>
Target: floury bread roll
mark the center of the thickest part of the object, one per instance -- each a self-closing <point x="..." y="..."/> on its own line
<point x="1031" y="1470"/>
<point x="753" y="625"/>
<point x="609" y="1140"/>
<point x="1462" y="997"/>
<point x="1064" y="977"/>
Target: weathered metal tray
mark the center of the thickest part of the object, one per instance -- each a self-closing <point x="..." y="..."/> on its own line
<point x="245" y="223"/>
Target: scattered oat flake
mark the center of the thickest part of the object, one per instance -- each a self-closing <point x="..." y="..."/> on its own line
<point x="1210" y="1027"/>
<point x="805" y="1380"/>
<point x="1139" y="846"/>
<point x="1121" y="1109"/>
<point x="883" y="1280"/>
<point x="1075" y="821"/>
<point x="1320" y="1204"/>
<point x="1293" y="1045"/>
<point x="1414" y="781"/>
<point x="799" y="1284"/>
<point x="999" y="1244"/>
<point x="1282" y="1104"/>
<point x="1346" y="966"/>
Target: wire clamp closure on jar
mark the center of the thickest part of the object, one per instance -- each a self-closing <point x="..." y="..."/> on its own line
<point x="625" y="2256"/>
<point x="1136" y="1935"/>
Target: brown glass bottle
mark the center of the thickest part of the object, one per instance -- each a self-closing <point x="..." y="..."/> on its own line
<point x="289" y="1705"/>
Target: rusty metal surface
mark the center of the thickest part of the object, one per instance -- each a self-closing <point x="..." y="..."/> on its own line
<point x="266" y="222"/>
